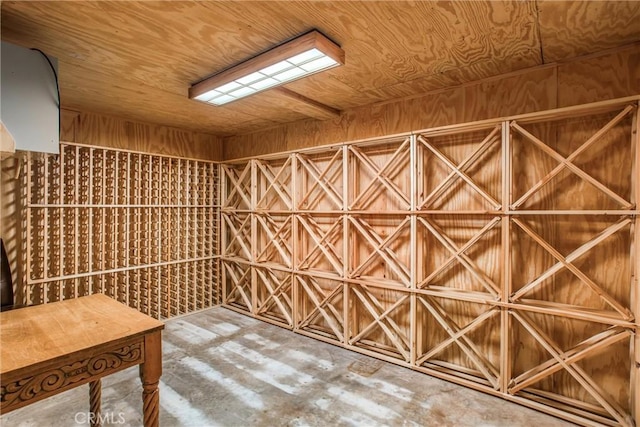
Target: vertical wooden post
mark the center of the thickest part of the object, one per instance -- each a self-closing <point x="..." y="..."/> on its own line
<point x="190" y="238"/>
<point x="254" y="236"/>
<point x="419" y="246"/>
<point x="413" y="248"/>
<point x="29" y="290"/>
<point x="152" y="239"/>
<point x="346" y="259"/>
<point x="73" y="171"/>
<point x="117" y="226"/>
<point x="218" y="233"/>
<point x="635" y="265"/>
<point x="45" y="273"/>
<point x="294" y="240"/>
<point x="103" y="214"/>
<point x="127" y="232"/>
<point x="135" y="246"/>
<point x="222" y="234"/>
<point x="91" y="211"/>
<point x="62" y="255"/>
<point x="180" y="236"/>
<point x="185" y="179"/>
<point x="170" y="243"/>
<point x="505" y="333"/>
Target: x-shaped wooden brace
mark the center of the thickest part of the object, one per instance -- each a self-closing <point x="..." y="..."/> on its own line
<point x="381" y="248"/>
<point x="277" y="293"/>
<point x="459" y="255"/>
<point x="461" y="168"/>
<point x="277" y="239"/>
<point x="566" y="262"/>
<point x="383" y="176"/>
<point x="236" y="184"/>
<point x="322" y="308"/>
<point x="275" y="184"/>
<point x="458" y="336"/>
<point x="586" y="348"/>
<point x="567" y="360"/>
<point x="239" y="283"/>
<point x="381" y="318"/>
<point x="238" y="234"/>
<point x="323" y="243"/>
<point x="321" y="180"/>
<point x="568" y="161"/>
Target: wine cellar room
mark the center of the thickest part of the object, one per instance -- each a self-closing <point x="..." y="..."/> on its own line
<point x="312" y="213"/>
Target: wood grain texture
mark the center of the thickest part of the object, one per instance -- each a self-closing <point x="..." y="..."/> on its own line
<point x="138" y="59"/>
<point x="49" y="349"/>
<point x="443" y="36"/>
<point x="112" y="132"/>
<point x="303" y="104"/>
<point x="570" y="29"/>
<point x="590" y="79"/>
<point x="601" y="77"/>
<point x="529" y="92"/>
<point x="40" y="338"/>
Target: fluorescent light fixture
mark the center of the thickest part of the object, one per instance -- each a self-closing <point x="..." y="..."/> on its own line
<point x="297" y="58"/>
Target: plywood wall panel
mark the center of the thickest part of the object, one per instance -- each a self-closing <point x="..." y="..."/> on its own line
<point x="68" y="125"/>
<point x="362" y="123"/>
<point x="521" y="93"/>
<point x="435" y="110"/>
<point x="113" y="132"/>
<point x="599" y="78"/>
<point x="104" y="131"/>
<point x="605" y="76"/>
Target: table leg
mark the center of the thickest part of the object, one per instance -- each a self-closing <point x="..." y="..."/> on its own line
<point x="95" y="396"/>
<point x="150" y="372"/>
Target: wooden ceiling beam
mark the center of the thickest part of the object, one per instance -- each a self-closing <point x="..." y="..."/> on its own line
<point x="294" y="101"/>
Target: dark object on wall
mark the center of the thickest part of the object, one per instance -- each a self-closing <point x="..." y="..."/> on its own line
<point x="6" y="284"/>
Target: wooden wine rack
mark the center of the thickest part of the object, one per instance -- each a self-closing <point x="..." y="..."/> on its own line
<point x="501" y="255"/>
<point x="138" y="227"/>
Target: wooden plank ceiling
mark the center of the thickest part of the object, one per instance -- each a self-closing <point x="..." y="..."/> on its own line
<point x="138" y="59"/>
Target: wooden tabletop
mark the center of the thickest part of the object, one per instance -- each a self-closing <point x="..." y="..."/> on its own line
<point x="45" y="332"/>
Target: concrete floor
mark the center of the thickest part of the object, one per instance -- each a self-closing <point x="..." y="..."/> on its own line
<point x="225" y="369"/>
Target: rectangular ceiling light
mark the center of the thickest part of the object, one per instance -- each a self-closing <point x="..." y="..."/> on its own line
<point x="297" y="58"/>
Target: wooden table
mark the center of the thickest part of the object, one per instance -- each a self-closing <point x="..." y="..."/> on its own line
<point x="47" y="349"/>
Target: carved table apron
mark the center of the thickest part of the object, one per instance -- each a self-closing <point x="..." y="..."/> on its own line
<point x="42" y="355"/>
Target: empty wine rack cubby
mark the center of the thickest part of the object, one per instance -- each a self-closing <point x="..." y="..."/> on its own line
<point x="138" y="227"/>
